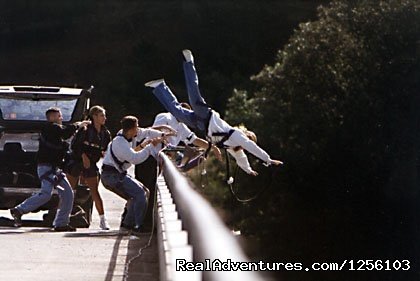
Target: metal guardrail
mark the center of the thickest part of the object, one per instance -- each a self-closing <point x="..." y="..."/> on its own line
<point x="172" y="239"/>
<point x="189" y="228"/>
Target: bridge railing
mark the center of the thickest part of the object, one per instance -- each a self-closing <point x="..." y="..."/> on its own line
<point x="189" y="230"/>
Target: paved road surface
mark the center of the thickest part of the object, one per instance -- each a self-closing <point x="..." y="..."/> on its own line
<point x="36" y="253"/>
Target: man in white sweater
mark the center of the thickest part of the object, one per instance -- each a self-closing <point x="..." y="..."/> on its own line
<point x="202" y="117"/>
<point x="119" y="157"/>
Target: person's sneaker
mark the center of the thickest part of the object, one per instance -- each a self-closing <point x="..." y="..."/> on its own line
<point x="188" y="55"/>
<point x="17" y="217"/>
<point x="103" y="224"/>
<point x="136" y="231"/>
<point x="125" y="229"/>
<point x="154" y="83"/>
<point x="65" y="228"/>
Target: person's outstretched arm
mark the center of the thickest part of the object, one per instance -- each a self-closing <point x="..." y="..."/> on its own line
<point x="170" y="130"/>
<point x="242" y="161"/>
<point x="125" y="152"/>
<point x="243" y="141"/>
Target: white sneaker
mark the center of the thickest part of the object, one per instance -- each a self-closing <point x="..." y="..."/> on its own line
<point x="188" y="55"/>
<point x="103" y="224"/>
<point x="154" y="83"/>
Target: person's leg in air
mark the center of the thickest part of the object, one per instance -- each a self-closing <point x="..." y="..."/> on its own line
<point x="171" y="104"/>
<point x="201" y="109"/>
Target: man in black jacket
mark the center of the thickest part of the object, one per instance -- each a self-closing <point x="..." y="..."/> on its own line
<point x="52" y="149"/>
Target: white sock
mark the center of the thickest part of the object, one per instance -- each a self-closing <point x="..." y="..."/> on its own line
<point x="154" y="83"/>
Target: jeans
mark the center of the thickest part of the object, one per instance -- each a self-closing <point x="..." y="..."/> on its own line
<point x="146" y="173"/>
<point x="65" y="192"/>
<point x="137" y="193"/>
<point x="196" y="118"/>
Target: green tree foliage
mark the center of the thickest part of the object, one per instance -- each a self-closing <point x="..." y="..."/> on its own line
<point x="340" y="105"/>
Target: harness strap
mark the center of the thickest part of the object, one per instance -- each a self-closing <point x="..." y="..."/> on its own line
<point x="228" y="172"/>
<point x="139" y="142"/>
<point x="207" y="122"/>
<point x="225" y="136"/>
<point x="90" y="137"/>
<point x="57" y="178"/>
<point x="94" y="145"/>
<point x="116" y="160"/>
<point x="190" y="137"/>
<point x="112" y="169"/>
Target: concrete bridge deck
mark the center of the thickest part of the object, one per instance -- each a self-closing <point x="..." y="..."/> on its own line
<point x="35" y="253"/>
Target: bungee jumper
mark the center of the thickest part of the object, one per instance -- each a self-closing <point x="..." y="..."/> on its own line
<point x="207" y="120"/>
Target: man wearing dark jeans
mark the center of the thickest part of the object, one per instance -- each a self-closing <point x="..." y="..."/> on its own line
<point x="146" y="172"/>
<point x="118" y="159"/>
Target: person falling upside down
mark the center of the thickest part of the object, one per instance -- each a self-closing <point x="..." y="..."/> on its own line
<point x="204" y="118"/>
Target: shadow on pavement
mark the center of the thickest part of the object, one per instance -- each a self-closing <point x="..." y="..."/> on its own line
<point x="142" y="267"/>
<point x="143" y="261"/>
<point x="22" y="230"/>
<point x="113" y="259"/>
<point x="29" y="223"/>
<point x="100" y="233"/>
